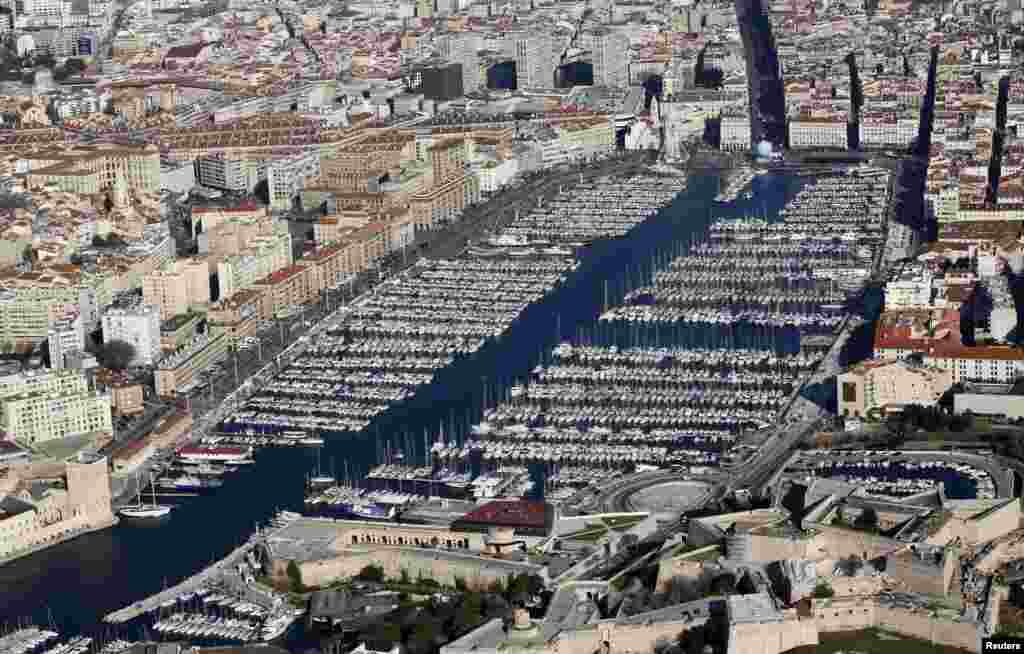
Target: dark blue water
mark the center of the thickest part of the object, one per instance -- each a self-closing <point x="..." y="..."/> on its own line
<point x="957" y="485"/>
<point x="84" y="579"/>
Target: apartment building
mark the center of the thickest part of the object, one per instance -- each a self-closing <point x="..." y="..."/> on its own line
<point x="65" y="336"/>
<point x="735" y="133"/>
<point x="176" y="288"/>
<point x="237" y="316"/>
<point x="977" y="212"/>
<point x="138" y="325"/>
<point x="31" y="302"/>
<point x="179" y="330"/>
<point x="286" y="288"/>
<point x="37" y="406"/>
<point x="533" y="51"/>
<point x="912" y="288"/>
<point x="818" y="133"/>
<point x="998" y="364"/>
<point x="91" y="169"/>
<point x="463" y="49"/>
<point x="608" y="55"/>
<point x="238" y="175"/>
<point x="444" y="201"/>
<point x="887" y="131"/>
<point x="287" y="176"/>
<point x="127" y="399"/>
<point x="238" y="273"/>
<point x="178" y="369"/>
<point x="889" y="384"/>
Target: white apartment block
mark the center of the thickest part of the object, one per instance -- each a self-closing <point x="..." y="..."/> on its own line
<point x="608" y="54"/>
<point x="40" y="406"/>
<point x="817" y="134"/>
<point x="230" y="174"/>
<point x="535" y="60"/>
<point x="463" y="48"/>
<point x="138" y="325"/>
<point x="889" y="133"/>
<point x="286" y="177"/>
<point x="65" y="337"/>
<point x="735" y="133"/>
<point x="911" y="290"/>
<point x="902" y="241"/>
<point x="493" y="175"/>
<point x="993" y="363"/>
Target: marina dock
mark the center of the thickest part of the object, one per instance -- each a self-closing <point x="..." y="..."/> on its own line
<point x="204" y="577"/>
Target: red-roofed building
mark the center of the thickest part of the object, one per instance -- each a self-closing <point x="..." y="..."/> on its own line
<point x="285" y="288"/>
<point x="518" y="517"/>
<point x="901" y="333"/>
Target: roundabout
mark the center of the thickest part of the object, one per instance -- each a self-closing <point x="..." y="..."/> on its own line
<point x="675" y="497"/>
<point x="656" y="492"/>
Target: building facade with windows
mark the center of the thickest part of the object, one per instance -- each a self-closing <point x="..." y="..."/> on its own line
<point x="138" y="325"/>
<point x="36" y="407"/>
<point x="179" y="368"/>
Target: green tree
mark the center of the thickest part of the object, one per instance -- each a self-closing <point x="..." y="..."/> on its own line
<point x="117" y="355"/>
<point x="867" y="520"/>
<point x="404" y="576"/>
<point x="423" y="639"/>
<point x="371" y="572"/>
<point x="295" y="577"/>
<point x="384" y="632"/>
<point x="460" y="584"/>
<point x="468" y="614"/>
<point x="823" y="590"/>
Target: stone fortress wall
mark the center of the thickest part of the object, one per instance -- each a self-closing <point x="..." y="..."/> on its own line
<point x="442" y="567"/>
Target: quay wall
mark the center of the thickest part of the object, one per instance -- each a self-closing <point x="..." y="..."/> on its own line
<point x="620" y="638"/>
<point x="936" y="630"/>
<point x="60" y="533"/>
<point x="858" y="613"/>
<point x="476" y="572"/>
<point x="771" y="637"/>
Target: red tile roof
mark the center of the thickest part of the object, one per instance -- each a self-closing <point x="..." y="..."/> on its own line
<point x="506" y="513"/>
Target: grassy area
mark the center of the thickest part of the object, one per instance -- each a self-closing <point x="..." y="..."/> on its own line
<point x="934" y="522"/>
<point x="623" y="523"/>
<point x="587" y="535"/>
<point x="873" y="641"/>
<point x="710" y="555"/>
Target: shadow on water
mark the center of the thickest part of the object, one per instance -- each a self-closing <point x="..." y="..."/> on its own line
<point x="84" y="579"/>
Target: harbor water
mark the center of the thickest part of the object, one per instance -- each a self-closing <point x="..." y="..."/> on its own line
<point x="80" y="581"/>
